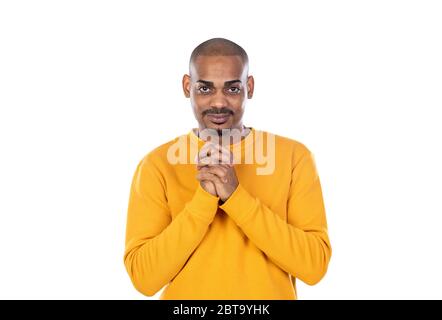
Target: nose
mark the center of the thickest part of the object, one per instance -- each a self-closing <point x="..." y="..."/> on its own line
<point x="218" y="100"/>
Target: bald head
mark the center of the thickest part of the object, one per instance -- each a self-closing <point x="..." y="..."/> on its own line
<point x="219" y="47"/>
<point x="218" y="83"/>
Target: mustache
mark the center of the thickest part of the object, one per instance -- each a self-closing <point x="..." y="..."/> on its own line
<point x="223" y="110"/>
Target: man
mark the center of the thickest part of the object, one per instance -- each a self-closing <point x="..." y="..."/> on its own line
<point x="206" y="218"/>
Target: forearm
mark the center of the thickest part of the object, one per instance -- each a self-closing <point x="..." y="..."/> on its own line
<point x="152" y="262"/>
<point x="304" y="253"/>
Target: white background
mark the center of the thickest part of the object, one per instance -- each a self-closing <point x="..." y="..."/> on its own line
<point x="87" y="88"/>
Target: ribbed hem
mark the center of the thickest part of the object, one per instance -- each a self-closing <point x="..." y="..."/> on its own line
<point x="240" y="205"/>
<point x="203" y="204"/>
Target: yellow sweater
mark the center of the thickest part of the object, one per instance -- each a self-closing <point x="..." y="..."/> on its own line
<point x="270" y="231"/>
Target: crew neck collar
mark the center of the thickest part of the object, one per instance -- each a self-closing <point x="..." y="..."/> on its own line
<point x="244" y="145"/>
<point x="244" y="141"/>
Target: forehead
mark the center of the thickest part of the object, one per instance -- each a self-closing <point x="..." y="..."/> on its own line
<point x="217" y="67"/>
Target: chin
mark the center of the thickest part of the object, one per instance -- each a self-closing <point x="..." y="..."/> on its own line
<point x="216" y="126"/>
<point x="221" y="125"/>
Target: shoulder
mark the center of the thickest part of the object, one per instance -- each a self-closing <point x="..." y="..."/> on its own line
<point x="156" y="158"/>
<point x="290" y="146"/>
<point x="302" y="160"/>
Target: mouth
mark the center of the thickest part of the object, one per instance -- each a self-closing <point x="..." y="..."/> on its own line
<point x="218" y="119"/>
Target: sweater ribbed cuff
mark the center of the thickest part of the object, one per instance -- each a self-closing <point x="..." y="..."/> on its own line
<point x="203" y="204"/>
<point x="240" y="205"/>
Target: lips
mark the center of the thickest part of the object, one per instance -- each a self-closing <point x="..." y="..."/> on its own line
<point x="218" y="118"/>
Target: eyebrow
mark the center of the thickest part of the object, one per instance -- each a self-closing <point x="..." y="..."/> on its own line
<point x="210" y="83"/>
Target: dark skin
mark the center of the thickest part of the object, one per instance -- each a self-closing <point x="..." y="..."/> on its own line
<point x="218" y="88"/>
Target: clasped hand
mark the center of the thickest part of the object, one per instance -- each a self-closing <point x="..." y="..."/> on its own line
<point x="216" y="172"/>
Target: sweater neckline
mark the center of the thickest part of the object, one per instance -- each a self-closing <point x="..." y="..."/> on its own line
<point x="244" y="145"/>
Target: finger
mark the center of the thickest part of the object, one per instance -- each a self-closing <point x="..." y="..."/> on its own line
<point x="216" y="158"/>
<point x="203" y="153"/>
<point x="204" y="162"/>
<point x="206" y="150"/>
<point x="218" y="170"/>
<point x="212" y="160"/>
<point x="210" y="148"/>
<point x="227" y="155"/>
<point x="221" y="172"/>
<point x="218" y="148"/>
<point x="226" y="166"/>
<point x="208" y="176"/>
<point x="218" y="155"/>
<point x="204" y="169"/>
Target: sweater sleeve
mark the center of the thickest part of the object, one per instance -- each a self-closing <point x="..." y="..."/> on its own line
<point x="157" y="246"/>
<point x="301" y="245"/>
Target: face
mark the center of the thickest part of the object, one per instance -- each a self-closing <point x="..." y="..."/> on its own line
<point x="218" y="87"/>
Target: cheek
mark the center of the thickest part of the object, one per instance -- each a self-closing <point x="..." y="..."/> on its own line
<point x="237" y="103"/>
<point x="200" y="101"/>
<point x="238" y="114"/>
<point x="196" y="103"/>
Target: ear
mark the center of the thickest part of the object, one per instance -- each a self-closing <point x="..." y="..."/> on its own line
<point x="250" y="86"/>
<point x="186" y="85"/>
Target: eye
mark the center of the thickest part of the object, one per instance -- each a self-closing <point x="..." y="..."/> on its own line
<point x="204" y="89"/>
<point x="234" y="90"/>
